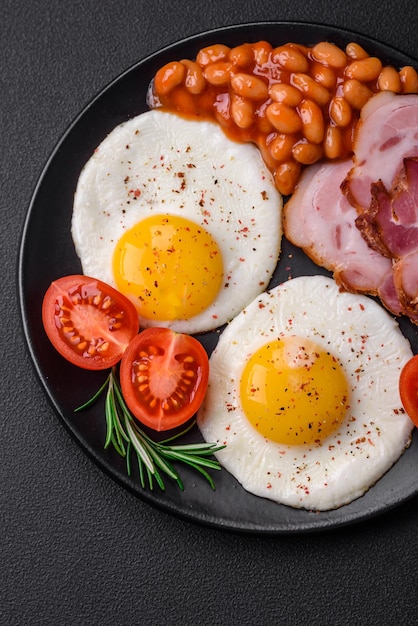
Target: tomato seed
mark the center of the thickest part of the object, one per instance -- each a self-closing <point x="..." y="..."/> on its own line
<point x="107" y="302"/>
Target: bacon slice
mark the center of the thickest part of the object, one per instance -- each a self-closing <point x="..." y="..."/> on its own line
<point x="359" y="218"/>
<point x="382" y="185"/>
<point x="386" y="134"/>
<point x="390" y="224"/>
<point x="319" y="219"/>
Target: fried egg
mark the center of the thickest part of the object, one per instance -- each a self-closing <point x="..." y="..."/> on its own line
<point x="303" y="393"/>
<point x="179" y="218"/>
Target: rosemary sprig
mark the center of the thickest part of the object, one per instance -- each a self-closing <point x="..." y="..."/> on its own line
<point x="154" y="458"/>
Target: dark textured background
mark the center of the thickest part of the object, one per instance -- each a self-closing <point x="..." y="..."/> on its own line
<point x="75" y="548"/>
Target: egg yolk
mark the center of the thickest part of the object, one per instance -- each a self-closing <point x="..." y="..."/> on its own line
<point x="293" y="392"/>
<point x="170" y="267"/>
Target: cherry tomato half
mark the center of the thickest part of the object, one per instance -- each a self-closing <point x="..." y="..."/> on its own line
<point x="88" y="321"/>
<point x="408" y="388"/>
<point x="164" y="377"/>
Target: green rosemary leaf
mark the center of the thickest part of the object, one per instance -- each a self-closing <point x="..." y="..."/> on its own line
<point x="139" y="447"/>
<point x="120" y="434"/>
<point x="118" y="424"/>
<point x="159" y="480"/>
<point x="94" y="398"/>
<point x="180" y="434"/>
<point x="203" y="449"/>
<point x="192" y="459"/>
<point x="120" y="449"/>
<point x="109" y="418"/>
<point x="154" y="458"/>
<point x="158" y="459"/>
<point x="128" y="459"/>
<point x="204" y="473"/>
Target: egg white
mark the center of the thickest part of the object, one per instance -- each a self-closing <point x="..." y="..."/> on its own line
<point x="189" y="169"/>
<point x="372" y="352"/>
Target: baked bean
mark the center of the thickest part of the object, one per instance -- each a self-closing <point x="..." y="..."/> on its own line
<point x="249" y="86"/>
<point x="356" y="93"/>
<point x="389" y="80"/>
<point x="312" y="90"/>
<point x="168" y="77"/>
<point x="340" y="111"/>
<point x="262" y="51"/>
<point x="283" y="118"/>
<point x="241" y="56"/>
<point x="329" y="54"/>
<point x="212" y="54"/>
<point x="281" y="146"/>
<point x="265" y="152"/>
<point x="409" y="79"/>
<point x="242" y="111"/>
<point x="194" y="80"/>
<point x="296" y="103"/>
<point x="333" y="143"/>
<point x="218" y="73"/>
<point x="307" y="153"/>
<point x="286" y="176"/>
<point x="313" y="126"/>
<point x="304" y="49"/>
<point x="355" y="51"/>
<point x="290" y="58"/>
<point x="282" y="92"/>
<point x="323" y="75"/>
<point x="264" y="125"/>
<point x="364" y="70"/>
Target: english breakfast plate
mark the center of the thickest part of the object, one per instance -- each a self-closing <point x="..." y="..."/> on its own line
<point x="47" y="252"/>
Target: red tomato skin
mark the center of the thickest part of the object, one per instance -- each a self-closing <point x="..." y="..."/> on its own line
<point x="94" y="305"/>
<point x="159" y="369"/>
<point x="408" y="388"/>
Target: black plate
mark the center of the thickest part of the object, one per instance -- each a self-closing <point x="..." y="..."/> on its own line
<point x="47" y="252"/>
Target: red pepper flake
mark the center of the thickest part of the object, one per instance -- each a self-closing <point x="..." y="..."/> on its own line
<point x="361" y="306"/>
<point x="242" y="260"/>
<point x="268" y="485"/>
